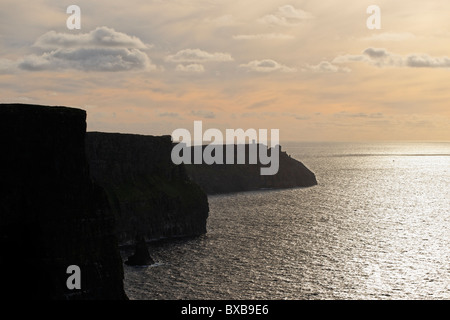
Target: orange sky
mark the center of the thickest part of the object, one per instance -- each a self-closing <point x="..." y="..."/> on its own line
<point x="313" y="70"/>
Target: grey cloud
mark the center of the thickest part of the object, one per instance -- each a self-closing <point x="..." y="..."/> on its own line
<point x="203" y="114"/>
<point x="425" y="61"/>
<point x="259" y="115"/>
<point x="102" y="49"/>
<point x="383" y="58"/>
<point x="92" y="59"/>
<point x="100" y="37"/>
<point x="266" y="65"/>
<point x="263" y="103"/>
<point x="374" y="56"/>
<point x="197" y="55"/>
<point x="344" y="114"/>
<point x="375" y="53"/>
<point x="169" y="114"/>
<point x="298" y="117"/>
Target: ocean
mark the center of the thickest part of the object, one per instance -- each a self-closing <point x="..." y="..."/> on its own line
<point x="377" y="226"/>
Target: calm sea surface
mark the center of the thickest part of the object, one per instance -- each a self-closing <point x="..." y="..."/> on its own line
<point x="376" y="227"/>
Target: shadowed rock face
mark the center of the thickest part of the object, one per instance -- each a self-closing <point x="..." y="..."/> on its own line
<point x="223" y="178"/>
<point x="141" y="256"/>
<point x="51" y="213"/>
<point x="149" y="195"/>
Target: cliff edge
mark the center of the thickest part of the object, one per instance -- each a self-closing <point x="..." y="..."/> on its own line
<point x="149" y="195"/>
<point x="228" y="178"/>
<point x="52" y="215"/>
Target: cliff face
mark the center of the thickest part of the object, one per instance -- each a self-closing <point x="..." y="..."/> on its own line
<point x="223" y="178"/>
<point x="149" y="195"/>
<point x="51" y="213"/>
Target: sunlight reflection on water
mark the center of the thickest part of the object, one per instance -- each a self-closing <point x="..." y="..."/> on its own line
<point x="376" y="227"/>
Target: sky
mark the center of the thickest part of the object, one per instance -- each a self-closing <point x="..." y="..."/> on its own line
<point x="312" y="69"/>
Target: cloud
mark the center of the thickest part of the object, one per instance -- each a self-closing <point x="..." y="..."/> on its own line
<point x="193" y="68"/>
<point x="91" y="59"/>
<point x="390" y="36"/>
<point x="100" y="37"/>
<point x="296" y="116"/>
<point x="222" y="21"/>
<point x="351" y="58"/>
<point x="102" y="49"/>
<point x="197" y="55"/>
<point x="426" y="61"/>
<point x="383" y="58"/>
<point x="7" y="66"/>
<point x="344" y="114"/>
<point x="263" y="36"/>
<point x="287" y="16"/>
<point x="261" y="104"/>
<point x="326" y="66"/>
<point x="169" y="115"/>
<point x="266" y="65"/>
<point x="203" y="114"/>
<point x="376" y="53"/>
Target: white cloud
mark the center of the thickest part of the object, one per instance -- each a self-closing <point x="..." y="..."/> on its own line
<point x="390" y="36"/>
<point x="351" y="58"/>
<point x="263" y="36"/>
<point x="326" y="66"/>
<point x="195" y="68"/>
<point x="102" y="49"/>
<point x="7" y="66"/>
<point x="92" y="59"/>
<point x="197" y="55"/>
<point x="382" y="58"/>
<point x="222" y="21"/>
<point x="100" y="37"/>
<point x="287" y="15"/>
<point x="375" y="56"/>
<point x="266" y="65"/>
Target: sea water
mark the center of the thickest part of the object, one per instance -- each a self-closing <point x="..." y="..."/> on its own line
<point x="377" y="226"/>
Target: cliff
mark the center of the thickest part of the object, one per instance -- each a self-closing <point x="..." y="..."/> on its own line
<point x="52" y="215"/>
<point x="149" y="195"/>
<point x="224" y="178"/>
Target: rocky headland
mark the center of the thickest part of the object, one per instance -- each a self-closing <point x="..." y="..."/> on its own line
<point x="228" y="178"/>
<point x="148" y="194"/>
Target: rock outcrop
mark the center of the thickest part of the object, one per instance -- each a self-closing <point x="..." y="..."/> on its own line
<point x="52" y="215"/>
<point x="141" y="256"/>
<point x="224" y="178"/>
<point x="149" y="195"/>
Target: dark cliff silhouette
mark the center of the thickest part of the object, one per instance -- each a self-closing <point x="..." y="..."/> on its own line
<point x="52" y="215"/>
<point x="149" y="195"/>
<point x="69" y="197"/>
<point x="227" y="178"/>
<point x="141" y="256"/>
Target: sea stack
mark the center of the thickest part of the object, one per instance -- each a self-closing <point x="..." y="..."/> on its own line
<point x="141" y="257"/>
